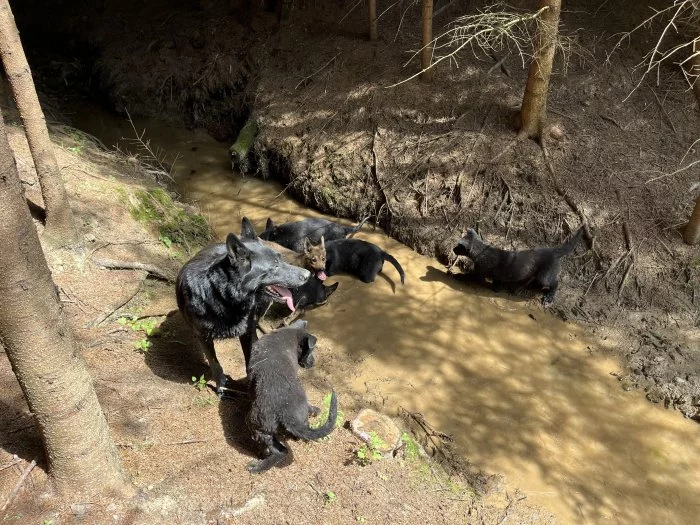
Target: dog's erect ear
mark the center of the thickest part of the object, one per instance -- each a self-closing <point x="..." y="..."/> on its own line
<point x="330" y="289"/>
<point x="306" y="359"/>
<point x="471" y="234"/>
<point x="247" y="230"/>
<point x="323" y="243"/>
<point x="310" y="341"/>
<point x="269" y="224"/>
<point x="307" y="245"/>
<point x="237" y="252"/>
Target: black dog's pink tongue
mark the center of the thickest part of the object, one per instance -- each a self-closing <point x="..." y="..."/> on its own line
<point x="321" y="275"/>
<point x="286" y="294"/>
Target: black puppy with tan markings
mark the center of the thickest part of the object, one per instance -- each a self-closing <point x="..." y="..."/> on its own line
<point x="540" y="266"/>
<point x="221" y="288"/>
<point x="278" y="400"/>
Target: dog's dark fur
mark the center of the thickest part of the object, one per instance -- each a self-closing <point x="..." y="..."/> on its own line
<point x="220" y="289"/>
<point x="539" y="266"/>
<point x="360" y="258"/>
<point x="292" y="234"/>
<point x="278" y="400"/>
<point x="311" y="295"/>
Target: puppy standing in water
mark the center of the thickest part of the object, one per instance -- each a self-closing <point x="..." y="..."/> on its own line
<point x="359" y="258"/>
<point x="292" y="235"/>
<point x="277" y="396"/>
<point x="313" y="257"/>
<point x="540" y="265"/>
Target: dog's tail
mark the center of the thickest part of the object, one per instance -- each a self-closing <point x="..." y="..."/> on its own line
<point x="352" y="230"/>
<point x="308" y="433"/>
<point x="390" y="258"/>
<point x="568" y="246"/>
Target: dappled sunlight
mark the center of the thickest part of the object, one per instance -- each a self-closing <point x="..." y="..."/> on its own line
<point x="521" y="392"/>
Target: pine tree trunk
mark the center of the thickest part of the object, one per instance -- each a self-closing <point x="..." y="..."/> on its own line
<point x="60" y="228"/>
<point x="426" y="55"/>
<point x="691" y="234"/>
<point x="372" y="9"/>
<point x="533" y="113"/>
<point x="79" y="450"/>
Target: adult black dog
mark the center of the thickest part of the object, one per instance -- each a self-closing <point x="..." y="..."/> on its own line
<point x="220" y="289"/>
<point x="360" y="258"/>
<point x="521" y="268"/>
<point x="278" y="400"/>
<point x="292" y="234"/>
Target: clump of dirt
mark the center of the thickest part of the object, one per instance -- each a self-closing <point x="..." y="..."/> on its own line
<point x="184" y="449"/>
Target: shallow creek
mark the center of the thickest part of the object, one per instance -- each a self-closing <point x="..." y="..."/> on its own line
<point x="522" y="393"/>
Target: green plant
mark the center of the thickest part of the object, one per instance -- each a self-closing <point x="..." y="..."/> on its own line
<point x="330" y="497"/>
<point x="143" y="345"/>
<point x="371" y="450"/>
<point x="174" y="224"/>
<point x="323" y="415"/>
<point x="149" y="326"/>
<point x="200" y="383"/>
<point x="411" y="448"/>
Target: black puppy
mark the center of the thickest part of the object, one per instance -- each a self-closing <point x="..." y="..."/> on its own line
<point x="540" y="265"/>
<point x="312" y="294"/>
<point x="220" y="289"/>
<point x="278" y="400"/>
<point x="360" y="258"/>
<point x="292" y="234"/>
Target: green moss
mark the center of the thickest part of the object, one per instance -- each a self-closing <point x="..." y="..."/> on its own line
<point x="174" y="224"/>
<point x="411" y="448"/>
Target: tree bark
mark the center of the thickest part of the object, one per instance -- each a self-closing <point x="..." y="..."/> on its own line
<point x="372" y="9"/>
<point x="691" y="234"/>
<point x="426" y="55"/>
<point x="60" y="228"/>
<point x="79" y="450"/>
<point x="533" y="113"/>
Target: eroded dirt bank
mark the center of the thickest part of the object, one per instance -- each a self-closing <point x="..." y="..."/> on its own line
<point x="432" y="159"/>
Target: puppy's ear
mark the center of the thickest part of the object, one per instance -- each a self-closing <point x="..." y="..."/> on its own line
<point x="306" y="358"/>
<point x="299" y="323"/>
<point x="247" y="230"/>
<point x="269" y="224"/>
<point x="330" y="289"/>
<point x="238" y="254"/>
<point x="323" y="243"/>
<point x="307" y="245"/>
<point x="310" y="341"/>
<point x="471" y="233"/>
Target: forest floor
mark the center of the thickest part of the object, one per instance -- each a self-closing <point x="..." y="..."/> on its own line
<point x="185" y="451"/>
<point x="429" y="160"/>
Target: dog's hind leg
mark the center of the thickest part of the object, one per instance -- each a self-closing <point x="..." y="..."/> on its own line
<point x="275" y="452"/>
<point x="548" y="281"/>
<point x="219" y="376"/>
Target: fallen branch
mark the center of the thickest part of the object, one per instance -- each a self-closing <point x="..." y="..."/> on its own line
<point x="5" y="467"/>
<point x="324" y="66"/>
<point x="567" y="198"/>
<point x="103" y="317"/>
<point x="130" y="265"/>
<point x="14" y="493"/>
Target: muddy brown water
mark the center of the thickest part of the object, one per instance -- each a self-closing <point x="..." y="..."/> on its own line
<point x="522" y="393"/>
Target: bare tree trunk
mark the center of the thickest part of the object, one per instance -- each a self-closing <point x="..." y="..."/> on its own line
<point x="80" y="452"/>
<point x="60" y="228"/>
<point x="372" y="9"/>
<point x="533" y="113"/>
<point x="426" y="55"/>
<point x="691" y="234"/>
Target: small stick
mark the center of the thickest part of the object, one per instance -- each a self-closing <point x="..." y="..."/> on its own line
<point x="305" y="79"/>
<point x="4" y="467"/>
<point x="24" y="475"/>
<point x="104" y="316"/>
<point x="130" y="265"/>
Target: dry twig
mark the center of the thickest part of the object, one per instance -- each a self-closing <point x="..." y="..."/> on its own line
<point x="14" y="493"/>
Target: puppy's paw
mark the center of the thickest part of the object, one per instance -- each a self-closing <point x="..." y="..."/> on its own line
<point x="314" y="410"/>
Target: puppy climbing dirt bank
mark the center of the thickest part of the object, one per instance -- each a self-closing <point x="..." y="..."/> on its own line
<point x="519" y="268"/>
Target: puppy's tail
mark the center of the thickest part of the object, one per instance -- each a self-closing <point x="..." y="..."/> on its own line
<point x="308" y="433"/>
<point x="390" y="258"/>
<point x="570" y="245"/>
<point x="354" y="229"/>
